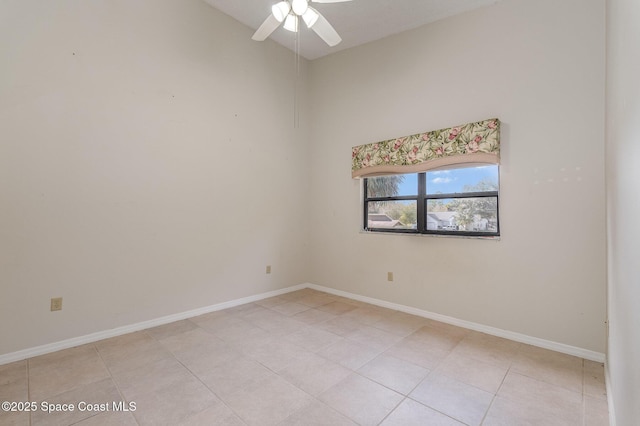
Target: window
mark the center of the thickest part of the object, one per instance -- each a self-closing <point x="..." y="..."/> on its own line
<point x="461" y="201"/>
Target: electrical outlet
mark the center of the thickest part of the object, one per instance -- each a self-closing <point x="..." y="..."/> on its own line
<point x="56" y="304"/>
<point x="389" y="276"/>
<point x="268" y="269"/>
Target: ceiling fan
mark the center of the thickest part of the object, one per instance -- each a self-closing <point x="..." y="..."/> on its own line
<point x="289" y="12"/>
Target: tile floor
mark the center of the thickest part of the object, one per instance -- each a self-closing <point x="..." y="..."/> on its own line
<point x="308" y="358"/>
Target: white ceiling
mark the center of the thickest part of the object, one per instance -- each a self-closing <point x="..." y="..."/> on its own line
<point x="357" y="21"/>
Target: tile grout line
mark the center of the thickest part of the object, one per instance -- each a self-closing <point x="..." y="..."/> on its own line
<point x="113" y="379"/>
<point x="196" y="376"/>
<point x="408" y="395"/>
<point x="393" y="409"/>
<point x="433" y="371"/>
<point x="352" y="371"/>
<point x="425" y="405"/>
<point x="495" y="395"/>
<point x="314" y="398"/>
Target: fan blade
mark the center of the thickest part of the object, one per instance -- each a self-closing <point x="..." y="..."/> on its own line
<point x="323" y="28"/>
<point x="268" y="26"/>
<point x="329" y="1"/>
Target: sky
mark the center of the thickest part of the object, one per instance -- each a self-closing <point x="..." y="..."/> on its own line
<point x="449" y="181"/>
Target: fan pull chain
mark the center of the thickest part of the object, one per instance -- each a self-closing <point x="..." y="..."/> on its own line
<point x="296" y="113"/>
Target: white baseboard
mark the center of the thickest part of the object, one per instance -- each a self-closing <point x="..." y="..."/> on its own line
<point x="511" y="335"/>
<point x="93" y="337"/>
<point x="100" y="335"/>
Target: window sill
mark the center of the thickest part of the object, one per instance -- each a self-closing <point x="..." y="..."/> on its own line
<point x="417" y="234"/>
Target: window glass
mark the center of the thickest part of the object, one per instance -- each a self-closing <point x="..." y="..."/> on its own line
<point x="463" y="214"/>
<point x="462" y="201"/>
<point x="392" y="186"/>
<point x="468" y="179"/>
<point x="392" y="214"/>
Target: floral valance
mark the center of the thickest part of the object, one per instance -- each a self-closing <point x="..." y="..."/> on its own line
<point x="470" y="143"/>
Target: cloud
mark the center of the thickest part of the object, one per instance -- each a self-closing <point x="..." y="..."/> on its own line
<point x="441" y="180"/>
<point x="440" y="172"/>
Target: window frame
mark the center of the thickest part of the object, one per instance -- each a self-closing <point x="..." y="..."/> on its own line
<point x="421" y="200"/>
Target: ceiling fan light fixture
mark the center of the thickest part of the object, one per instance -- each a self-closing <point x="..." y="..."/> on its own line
<point x="299" y="6"/>
<point x="281" y="10"/>
<point x="291" y="23"/>
<point x="287" y="14"/>
<point x="310" y="17"/>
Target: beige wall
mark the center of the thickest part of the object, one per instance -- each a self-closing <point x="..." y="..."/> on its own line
<point x="539" y="67"/>
<point x="623" y="187"/>
<point x="148" y="165"/>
